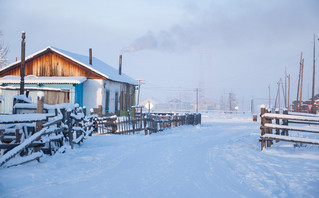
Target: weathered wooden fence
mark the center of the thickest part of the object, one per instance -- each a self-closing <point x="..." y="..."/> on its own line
<point x="149" y="123"/>
<point x="306" y="123"/>
<point x="21" y="139"/>
<point x="26" y="137"/>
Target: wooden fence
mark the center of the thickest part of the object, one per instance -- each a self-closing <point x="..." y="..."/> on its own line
<point x="306" y="123"/>
<point x="22" y="140"/>
<point x="149" y="123"/>
<point x="27" y="137"/>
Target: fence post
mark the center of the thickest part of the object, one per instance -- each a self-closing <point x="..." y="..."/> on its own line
<point x="133" y="120"/>
<point x="141" y="116"/>
<point x="114" y="125"/>
<point x="18" y="134"/>
<point x="268" y="130"/>
<point x="40" y="100"/>
<point x="95" y="125"/>
<point x="263" y="121"/>
<point x="84" y="111"/>
<point x="90" y="127"/>
<point x="145" y="122"/>
<point x="277" y="122"/>
<point x="69" y="119"/>
<point x="285" y="122"/>
<point x="129" y="122"/>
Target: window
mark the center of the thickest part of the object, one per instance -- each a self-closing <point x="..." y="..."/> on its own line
<point x="107" y="101"/>
<point x="116" y="102"/>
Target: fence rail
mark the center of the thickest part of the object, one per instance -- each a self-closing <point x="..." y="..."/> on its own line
<point x="282" y="130"/>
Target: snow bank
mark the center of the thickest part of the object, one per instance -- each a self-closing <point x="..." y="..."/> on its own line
<point x="221" y="158"/>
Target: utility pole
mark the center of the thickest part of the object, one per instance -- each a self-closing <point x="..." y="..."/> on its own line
<point x="313" y="109"/>
<point x="297" y="103"/>
<point x="22" y="68"/>
<point x="288" y="90"/>
<point x="286" y="87"/>
<point x="301" y="79"/>
<point x="230" y="98"/>
<point x="278" y="94"/>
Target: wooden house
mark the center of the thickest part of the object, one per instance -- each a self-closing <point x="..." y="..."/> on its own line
<point x="69" y="78"/>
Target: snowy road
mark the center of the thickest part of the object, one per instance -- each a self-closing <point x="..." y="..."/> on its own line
<point x="221" y="158"/>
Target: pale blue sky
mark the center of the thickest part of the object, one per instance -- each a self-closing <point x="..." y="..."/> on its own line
<point x="247" y="43"/>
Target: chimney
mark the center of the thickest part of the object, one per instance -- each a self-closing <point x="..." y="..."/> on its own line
<point x="120" y="65"/>
<point x="90" y="56"/>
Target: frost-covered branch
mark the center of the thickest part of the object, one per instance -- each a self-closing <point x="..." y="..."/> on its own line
<point x="3" y="53"/>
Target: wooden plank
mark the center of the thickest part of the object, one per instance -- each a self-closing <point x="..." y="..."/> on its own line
<point x="290" y="139"/>
<point x="26" y="159"/>
<point x="301" y="122"/>
<point x="291" y="128"/>
<point x="6" y="157"/>
<point x="303" y="114"/>
<point x="290" y="117"/>
<point x="21" y="118"/>
<point x="11" y="146"/>
<point x="52" y="122"/>
<point x="77" y="140"/>
<point x="108" y="129"/>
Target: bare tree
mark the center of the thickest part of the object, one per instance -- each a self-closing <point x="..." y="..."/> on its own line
<point x="3" y="52"/>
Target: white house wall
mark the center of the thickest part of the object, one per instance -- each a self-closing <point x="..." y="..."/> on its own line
<point x="92" y="93"/>
<point x="7" y="100"/>
<point x="113" y="87"/>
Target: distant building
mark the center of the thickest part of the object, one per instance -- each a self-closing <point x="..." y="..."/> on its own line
<point x="148" y="104"/>
<point x="305" y="105"/>
<point x="68" y="77"/>
<point x="174" y="105"/>
<point x="208" y="105"/>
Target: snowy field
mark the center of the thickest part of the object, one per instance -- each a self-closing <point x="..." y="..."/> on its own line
<point x="220" y="158"/>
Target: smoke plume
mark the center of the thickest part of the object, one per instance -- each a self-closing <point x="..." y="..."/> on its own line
<point x="173" y="39"/>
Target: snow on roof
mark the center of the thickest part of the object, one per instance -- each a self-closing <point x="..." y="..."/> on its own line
<point x="28" y="57"/>
<point x="97" y="66"/>
<point x="31" y="79"/>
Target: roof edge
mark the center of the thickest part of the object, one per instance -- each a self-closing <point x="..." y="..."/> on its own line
<point x="66" y="56"/>
<point x="27" y="58"/>
<point x="79" y="62"/>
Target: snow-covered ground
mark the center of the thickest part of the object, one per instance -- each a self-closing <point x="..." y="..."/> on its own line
<point x="220" y="158"/>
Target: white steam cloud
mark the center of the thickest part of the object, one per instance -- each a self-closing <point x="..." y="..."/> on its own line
<point x="147" y="41"/>
<point x="174" y="39"/>
<point x="221" y="26"/>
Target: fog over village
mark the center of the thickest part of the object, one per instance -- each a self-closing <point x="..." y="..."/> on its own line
<point x="220" y="47"/>
<point x="159" y="98"/>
